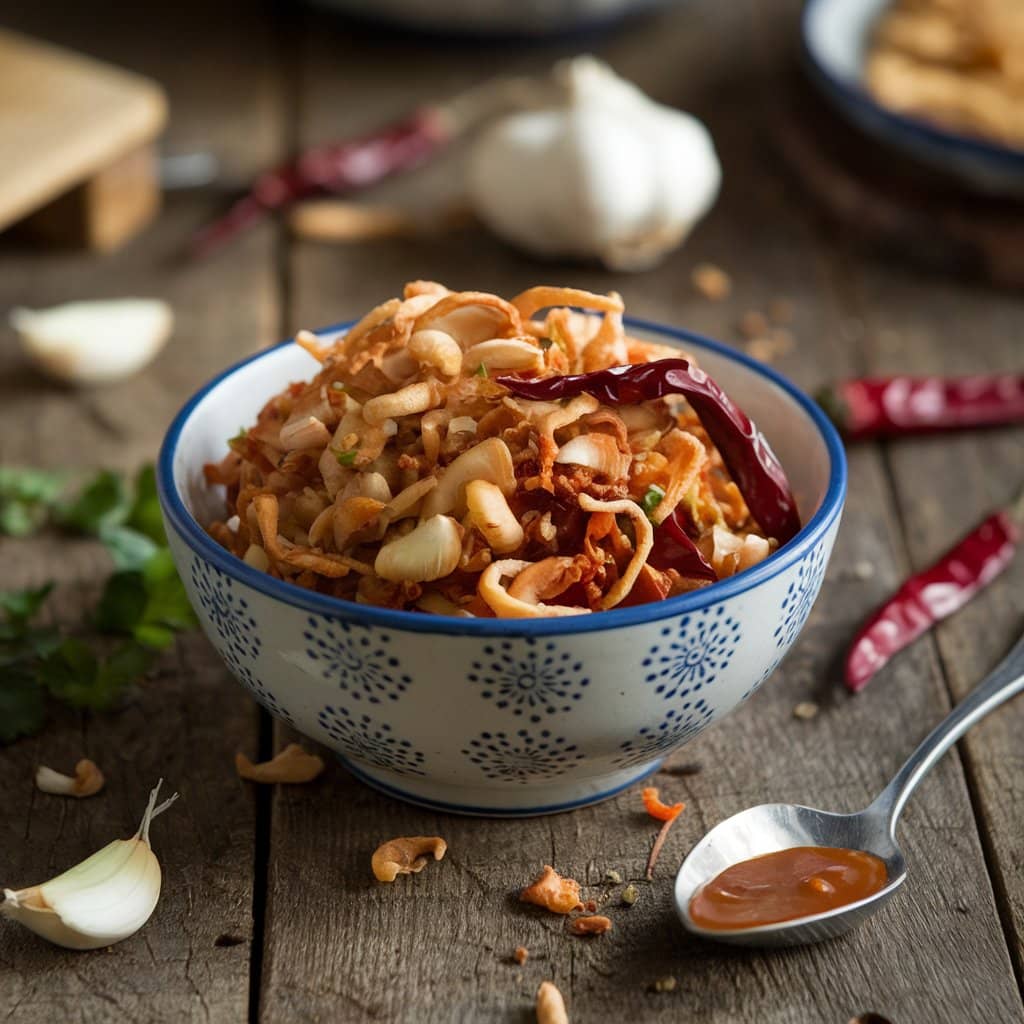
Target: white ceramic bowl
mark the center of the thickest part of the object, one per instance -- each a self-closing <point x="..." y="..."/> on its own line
<point x="503" y="717"/>
<point x="835" y="35"/>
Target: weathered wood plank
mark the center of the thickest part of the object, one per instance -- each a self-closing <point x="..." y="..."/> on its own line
<point x="436" y="947"/>
<point x="186" y="722"/>
<point x="946" y="487"/>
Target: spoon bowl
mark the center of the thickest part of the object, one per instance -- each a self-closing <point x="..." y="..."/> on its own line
<point x="772" y="827"/>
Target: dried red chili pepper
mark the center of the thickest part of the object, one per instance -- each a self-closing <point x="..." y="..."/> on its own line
<point x="673" y="549"/>
<point x="753" y="465"/>
<point x="334" y="167"/>
<point x="891" y="406"/>
<point x="934" y="594"/>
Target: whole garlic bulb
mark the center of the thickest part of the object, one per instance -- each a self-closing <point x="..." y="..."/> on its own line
<point x="607" y="173"/>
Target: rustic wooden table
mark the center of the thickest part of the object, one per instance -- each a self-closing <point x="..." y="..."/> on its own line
<point x="269" y="911"/>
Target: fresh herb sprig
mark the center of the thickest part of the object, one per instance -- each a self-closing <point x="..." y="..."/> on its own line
<point x="143" y="600"/>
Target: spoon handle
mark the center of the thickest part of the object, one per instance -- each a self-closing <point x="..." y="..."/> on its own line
<point x="1005" y="681"/>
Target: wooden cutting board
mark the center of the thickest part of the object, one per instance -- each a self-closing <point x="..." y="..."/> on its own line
<point x="77" y="155"/>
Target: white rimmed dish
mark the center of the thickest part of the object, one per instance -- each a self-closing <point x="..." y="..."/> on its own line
<point x="501" y="717"/>
<point x="835" y="35"/>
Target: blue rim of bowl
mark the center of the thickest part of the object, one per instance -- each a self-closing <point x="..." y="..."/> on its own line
<point x="859" y="97"/>
<point x="421" y="622"/>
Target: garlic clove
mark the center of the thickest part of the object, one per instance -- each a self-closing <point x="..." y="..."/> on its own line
<point x="96" y="341"/>
<point x="608" y="174"/>
<point x="104" y="899"/>
<point x="87" y="781"/>
<point x="430" y="552"/>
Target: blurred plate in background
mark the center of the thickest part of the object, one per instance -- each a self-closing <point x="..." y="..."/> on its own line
<point x="835" y="35"/>
<point x="501" y="18"/>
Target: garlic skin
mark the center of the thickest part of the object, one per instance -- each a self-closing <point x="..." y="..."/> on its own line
<point x="106" y="898"/>
<point x="609" y="173"/>
<point x="94" y="342"/>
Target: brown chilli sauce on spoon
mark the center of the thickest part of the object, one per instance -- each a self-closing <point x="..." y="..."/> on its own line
<point x="786" y="885"/>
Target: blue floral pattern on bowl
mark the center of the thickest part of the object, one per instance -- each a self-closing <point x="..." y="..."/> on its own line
<point x="356" y="658"/>
<point x="800" y="595"/>
<point x="522" y="756"/>
<point x="364" y="739"/>
<point x="238" y="634"/>
<point x="263" y="695"/>
<point x="692" y="652"/>
<point x="540" y="679"/>
<point x="678" y="726"/>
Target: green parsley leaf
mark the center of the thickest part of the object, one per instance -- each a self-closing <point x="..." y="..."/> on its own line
<point x="338" y="385"/>
<point x="129" y="548"/>
<point x="346" y="458"/>
<point x="652" y="499"/>
<point x="104" y="502"/>
<point x="145" y="517"/>
<point x="31" y="484"/>
<point x="21" y="703"/>
<point x="242" y="434"/>
<point x="122" y="603"/>
<point x="26" y="496"/>
<point x="481" y="371"/>
<point x="149" y="605"/>
<point x="75" y="675"/>
<point x="21" y="606"/>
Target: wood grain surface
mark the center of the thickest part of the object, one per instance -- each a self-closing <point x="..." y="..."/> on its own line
<point x="288" y="870"/>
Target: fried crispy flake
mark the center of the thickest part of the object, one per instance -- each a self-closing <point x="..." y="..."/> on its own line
<point x="406" y="855"/>
<point x="292" y="765"/>
<point x="593" y="924"/>
<point x="552" y="892"/>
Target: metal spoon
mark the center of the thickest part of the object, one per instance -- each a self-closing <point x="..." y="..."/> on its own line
<point x="771" y="827"/>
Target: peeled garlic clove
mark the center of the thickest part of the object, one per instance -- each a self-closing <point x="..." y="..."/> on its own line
<point x="106" y="898"/>
<point x="431" y="552"/>
<point x="88" y="780"/>
<point x="607" y="174"/>
<point x="94" y="342"/>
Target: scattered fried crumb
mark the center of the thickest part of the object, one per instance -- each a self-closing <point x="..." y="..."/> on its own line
<point x="291" y="765"/>
<point x="781" y="310"/>
<point x="227" y="940"/>
<point x="550" y="1005"/>
<point x="863" y="570"/>
<point x="667" y="984"/>
<point x="551" y="891"/>
<point x="520" y="955"/>
<point x="595" y="924"/>
<point x="611" y="875"/>
<point x="753" y="324"/>
<point x="768" y="347"/>
<point x="869" y="1018"/>
<point x="686" y="768"/>
<point x="806" y="709"/>
<point x="590" y="906"/>
<point x="711" y="281"/>
<point x="406" y="855"/>
<point x="87" y="781"/>
<point x="630" y="895"/>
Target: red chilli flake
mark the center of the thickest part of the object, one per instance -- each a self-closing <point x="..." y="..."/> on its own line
<point x="933" y="595"/>
<point x="660" y="812"/>
<point x="893" y="406"/>
<point x="748" y="456"/>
